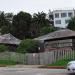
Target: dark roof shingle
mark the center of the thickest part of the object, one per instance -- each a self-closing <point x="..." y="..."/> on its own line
<point x="57" y="34"/>
<point x="9" y="39"/>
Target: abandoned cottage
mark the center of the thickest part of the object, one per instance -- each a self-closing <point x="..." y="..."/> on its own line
<point x="58" y="40"/>
<point x="10" y="41"/>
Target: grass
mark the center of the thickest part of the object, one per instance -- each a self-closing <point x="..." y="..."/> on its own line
<point x="7" y="62"/>
<point x="60" y="63"/>
<point x="64" y="61"/>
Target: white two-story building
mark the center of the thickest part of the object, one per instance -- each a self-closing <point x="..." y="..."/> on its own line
<point x="60" y="18"/>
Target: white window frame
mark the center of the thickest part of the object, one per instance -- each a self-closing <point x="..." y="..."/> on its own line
<point x="57" y="21"/>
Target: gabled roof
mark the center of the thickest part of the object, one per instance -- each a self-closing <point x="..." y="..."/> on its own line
<point x="9" y="39"/>
<point x="57" y="34"/>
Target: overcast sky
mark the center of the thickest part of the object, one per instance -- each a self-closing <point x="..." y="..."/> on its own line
<point x="34" y="6"/>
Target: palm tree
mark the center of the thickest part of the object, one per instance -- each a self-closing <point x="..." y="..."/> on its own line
<point x="38" y="21"/>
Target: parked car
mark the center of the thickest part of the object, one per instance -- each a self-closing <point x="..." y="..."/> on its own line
<point x="71" y="66"/>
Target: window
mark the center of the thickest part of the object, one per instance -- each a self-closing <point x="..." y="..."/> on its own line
<point x="51" y="17"/>
<point x="67" y="21"/>
<point x="58" y="21"/>
<point x="63" y="15"/>
<point x="70" y="14"/>
<point x="57" y="15"/>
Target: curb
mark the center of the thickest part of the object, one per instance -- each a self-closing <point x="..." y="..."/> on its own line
<point x="53" y="67"/>
<point x="3" y="65"/>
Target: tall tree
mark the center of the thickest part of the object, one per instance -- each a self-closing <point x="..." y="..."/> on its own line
<point x="21" y="25"/>
<point x="9" y="16"/>
<point x="38" y="21"/>
<point x="4" y="24"/>
<point x="71" y="24"/>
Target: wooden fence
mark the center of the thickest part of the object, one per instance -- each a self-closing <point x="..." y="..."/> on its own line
<point x="49" y="57"/>
<point x="38" y="58"/>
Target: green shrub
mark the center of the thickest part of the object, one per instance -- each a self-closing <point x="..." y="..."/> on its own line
<point x="28" y="46"/>
<point x="3" y="48"/>
<point x="46" y="30"/>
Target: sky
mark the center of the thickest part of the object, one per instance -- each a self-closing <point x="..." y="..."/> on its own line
<point x="35" y="6"/>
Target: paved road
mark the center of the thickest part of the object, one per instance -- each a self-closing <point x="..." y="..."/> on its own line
<point x="33" y="71"/>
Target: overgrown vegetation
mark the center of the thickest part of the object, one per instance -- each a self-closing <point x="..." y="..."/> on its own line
<point x="71" y="24"/>
<point x="46" y="30"/>
<point x="28" y="46"/>
<point x="3" y="48"/>
<point x="62" y="62"/>
<point x="7" y="62"/>
<point x="24" y="25"/>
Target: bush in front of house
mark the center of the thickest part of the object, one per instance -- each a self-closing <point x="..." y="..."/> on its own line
<point x="28" y="46"/>
<point x="3" y="48"/>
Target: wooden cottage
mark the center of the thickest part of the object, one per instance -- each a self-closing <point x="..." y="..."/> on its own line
<point x="10" y="41"/>
<point x="58" y="40"/>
